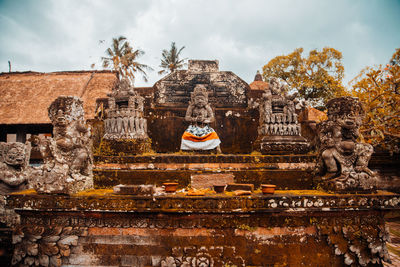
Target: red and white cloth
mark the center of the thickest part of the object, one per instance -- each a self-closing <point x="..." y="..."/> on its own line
<point x="199" y="138"/>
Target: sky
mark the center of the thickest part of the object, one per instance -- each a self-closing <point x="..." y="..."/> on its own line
<point x="61" y="35"/>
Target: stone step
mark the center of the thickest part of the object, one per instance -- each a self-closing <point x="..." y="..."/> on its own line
<point x="202" y="158"/>
<point x="282" y="178"/>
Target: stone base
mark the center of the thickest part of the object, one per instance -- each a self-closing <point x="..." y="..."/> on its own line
<point x="59" y="181"/>
<point x="124" y="147"/>
<point x="331" y="186"/>
<point x="281" y="145"/>
<point x="285" y="229"/>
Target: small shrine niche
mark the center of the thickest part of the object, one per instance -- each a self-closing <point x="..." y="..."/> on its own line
<point x="124" y="116"/>
<point x="125" y="128"/>
<point x="279" y="130"/>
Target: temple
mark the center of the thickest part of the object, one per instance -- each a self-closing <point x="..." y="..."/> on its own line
<point x="202" y="169"/>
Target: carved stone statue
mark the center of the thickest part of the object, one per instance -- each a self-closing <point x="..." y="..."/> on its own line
<point x="279" y="130"/>
<point x="14" y="166"/>
<point x="199" y="135"/>
<point x="67" y="156"/>
<point x="14" y="175"/>
<point x="124" y="116"/>
<point x="125" y="128"/>
<point x="343" y="161"/>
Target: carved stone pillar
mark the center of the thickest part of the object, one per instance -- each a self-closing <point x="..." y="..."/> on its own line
<point x="124" y="124"/>
<point x="279" y="131"/>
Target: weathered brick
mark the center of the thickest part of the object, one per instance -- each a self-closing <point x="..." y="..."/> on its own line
<point x="104" y="231"/>
<point x="208" y="180"/>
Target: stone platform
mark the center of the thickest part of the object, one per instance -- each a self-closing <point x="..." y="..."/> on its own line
<point x="289" y="228"/>
<point x="285" y="171"/>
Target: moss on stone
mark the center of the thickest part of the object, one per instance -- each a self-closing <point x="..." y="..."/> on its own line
<point x="302" y="192"/>
<point x="123" y="147"/>
<point x="25" y="192"/>
<point x="94" y="192"/>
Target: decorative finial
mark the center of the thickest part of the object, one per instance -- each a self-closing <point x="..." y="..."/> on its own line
<point x="258" y="76"/>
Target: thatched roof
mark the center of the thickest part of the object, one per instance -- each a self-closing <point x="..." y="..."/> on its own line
<point x="313" y="114"/>
<point x="259" y="85"/>
<point x="316" y="115"/>
<point x="25" y="96"/>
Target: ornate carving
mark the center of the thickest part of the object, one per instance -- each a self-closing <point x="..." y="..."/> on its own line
<point x="277" y="111"/>
<point x="224" y="87"/>
<point x="343" y="161"/>
<point x="184" y="204"/>
<point x="203" y="256"/>
<point x="199" y="136"/>
<point x="44" y="245"/>
<point x="124" y="116"/>
<point x="361" y="241"/>
<point x="199" y="111"/>
<point x="284" y="147"/>
<point x="67" y="156"/>
<point x="14" y="166"/>
<point x="279" y="130"/>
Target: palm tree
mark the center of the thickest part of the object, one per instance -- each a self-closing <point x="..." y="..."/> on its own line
<point x="170" y="59"/>
<point x="122" y="58"/>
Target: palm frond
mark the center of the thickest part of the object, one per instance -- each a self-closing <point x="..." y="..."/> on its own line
<point x="123" y="59"/>
<point x="170" y="59"/>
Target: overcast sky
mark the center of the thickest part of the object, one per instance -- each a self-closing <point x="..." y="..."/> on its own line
<point x="243" y="35"/>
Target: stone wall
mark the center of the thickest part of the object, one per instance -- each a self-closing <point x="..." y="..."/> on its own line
<point x="285" y="171"/>
<point x="290" y="229"/>
<point x="236" y="127"/>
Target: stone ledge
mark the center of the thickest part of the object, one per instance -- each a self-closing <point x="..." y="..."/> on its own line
<point x="195" y="158"/>
<point x="205" y="166"/>
<point x="283" y="179"/>
<point x="283" y="201"/>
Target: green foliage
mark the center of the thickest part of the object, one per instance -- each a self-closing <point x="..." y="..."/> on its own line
<point x="121" y="57"/>
<point x="379" y="90"/>
<point x="170" y="59"/>
<point x="317" y="78"/>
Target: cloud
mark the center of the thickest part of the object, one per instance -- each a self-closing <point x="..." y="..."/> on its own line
<point x="242" y="35"/>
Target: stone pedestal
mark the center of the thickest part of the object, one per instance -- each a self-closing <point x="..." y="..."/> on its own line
<point x="281" y="145"/>
<point x="125" y="147"/>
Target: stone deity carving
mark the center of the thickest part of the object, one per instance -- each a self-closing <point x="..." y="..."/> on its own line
<point x="343" y="160"/>
<point x="14" y="175"/>
<point x="279" y="130"/>
<point x="199" y="135"/>
<point x="14" y="166"/>
<point x="277" y="111"/>
<point x="124" y="116"/>
<point x="67" y="156"/>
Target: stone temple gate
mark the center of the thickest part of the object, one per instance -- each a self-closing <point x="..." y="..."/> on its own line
<point x="118" y="191"/>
